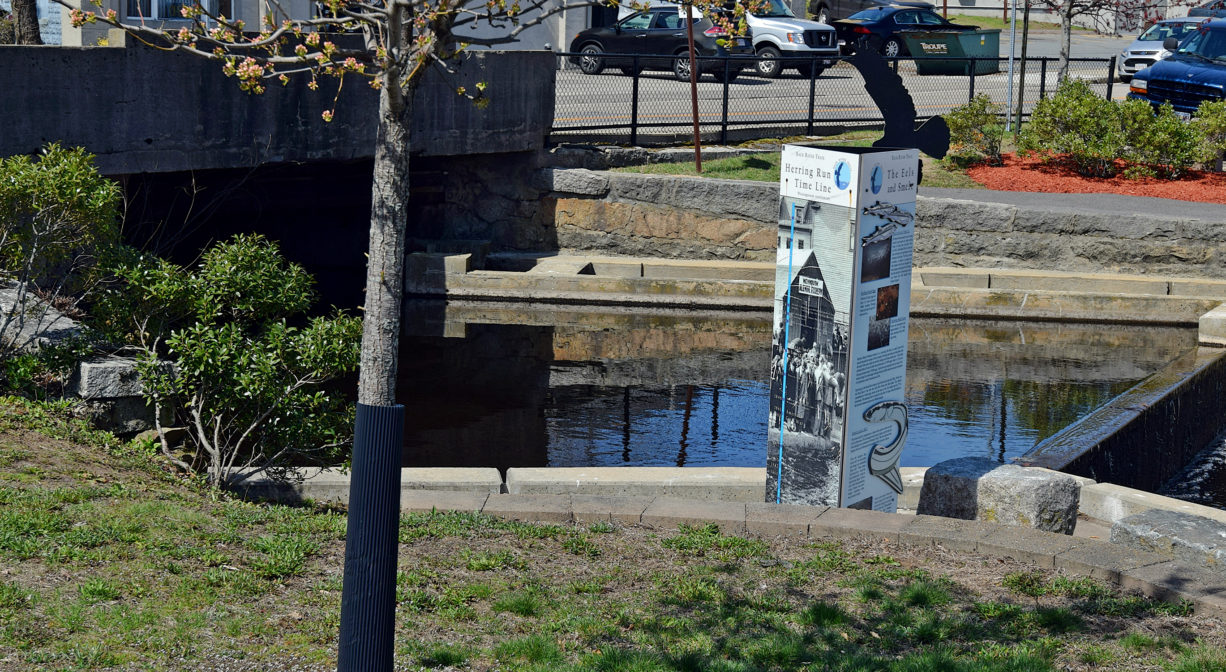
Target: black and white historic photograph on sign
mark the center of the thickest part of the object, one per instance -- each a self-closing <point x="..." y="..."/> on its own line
<point x="809" y="352"/>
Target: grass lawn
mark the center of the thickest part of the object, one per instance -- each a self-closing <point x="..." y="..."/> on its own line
<point x="108" y="561"/>
<point x="764" y="167"/>
<point x="995" y="20"/>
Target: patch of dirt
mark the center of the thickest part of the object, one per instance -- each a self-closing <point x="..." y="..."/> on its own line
<point x="1032" y="174"/>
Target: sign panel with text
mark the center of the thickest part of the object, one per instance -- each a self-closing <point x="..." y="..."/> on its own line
<point x="838" y="420"/>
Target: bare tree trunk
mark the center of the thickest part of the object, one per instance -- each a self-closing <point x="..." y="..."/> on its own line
<point x="25" y="22"/>
<point x="1066" y="41"/>
<point x="385" y="266"/>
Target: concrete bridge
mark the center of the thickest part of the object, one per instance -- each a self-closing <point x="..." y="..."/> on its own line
<point x="140" y="110"/>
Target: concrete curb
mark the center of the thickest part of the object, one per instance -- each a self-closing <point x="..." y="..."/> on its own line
<point x="1149" y="573"/>
<point x="1103" y="502"/>
<point x="635" y="496"/>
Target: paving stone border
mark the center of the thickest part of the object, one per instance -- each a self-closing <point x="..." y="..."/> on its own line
<point x="591" y="499"/>
<point x="1151" y="574"/>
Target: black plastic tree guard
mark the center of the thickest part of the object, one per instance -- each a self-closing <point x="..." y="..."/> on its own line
<point x="368" y="600"/>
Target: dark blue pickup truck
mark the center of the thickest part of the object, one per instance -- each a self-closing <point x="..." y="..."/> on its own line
<point x="1193" y="73"/>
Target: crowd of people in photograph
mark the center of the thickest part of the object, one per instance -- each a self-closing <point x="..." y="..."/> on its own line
<point x="815" y="381"/>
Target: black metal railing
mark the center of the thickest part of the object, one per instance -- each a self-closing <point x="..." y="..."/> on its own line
<point x="638" y="99"/>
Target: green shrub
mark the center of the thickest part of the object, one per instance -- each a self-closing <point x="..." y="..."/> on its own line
<point x="1210" y="121"/>
<point x="1078" y="124"/>
<point x="57" y="222"/>
<point x="976" y="131"/>
<point x="250" y="387"/>
<point x="1159" y="141"/>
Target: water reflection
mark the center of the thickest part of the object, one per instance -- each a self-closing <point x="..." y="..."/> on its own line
<point x="495" y="385"/>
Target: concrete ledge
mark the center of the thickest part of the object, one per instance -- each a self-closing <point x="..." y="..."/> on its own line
<point x="1212" y="327"/>
<point x="749" y="285"/>
<point x="1167" y="409"/>
<point x="729" y="484"/>
<point x="332" y="485"/>
<point x="1109" y="503"/>
<point x="1062" y="306"/>
<point x="1190" y="539"/>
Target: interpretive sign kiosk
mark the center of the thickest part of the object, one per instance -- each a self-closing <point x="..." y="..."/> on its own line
<point x="838" y="418"/>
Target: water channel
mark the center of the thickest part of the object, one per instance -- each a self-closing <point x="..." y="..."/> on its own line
<point x="506" y="385"/>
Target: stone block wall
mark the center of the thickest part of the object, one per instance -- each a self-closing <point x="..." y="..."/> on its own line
<point x="602" y="212"/>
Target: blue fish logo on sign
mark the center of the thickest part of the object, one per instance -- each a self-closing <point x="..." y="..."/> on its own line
<point x="842" y="175"/>
<point x="874" y="180"/>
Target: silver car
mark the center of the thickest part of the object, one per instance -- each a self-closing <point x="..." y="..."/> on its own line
<point x="1147" y="49"/>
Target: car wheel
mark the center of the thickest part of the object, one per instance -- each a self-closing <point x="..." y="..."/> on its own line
<point x="893" y="48"/>
<point x="590" y="61"/>
<point x="769" y="63"/>
<point x="1124" y="78"/>
<point x="822" y="15"/>
<point x="681" y="67"/>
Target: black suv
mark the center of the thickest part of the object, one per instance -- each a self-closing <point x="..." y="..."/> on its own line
<point x="655" y="39"/>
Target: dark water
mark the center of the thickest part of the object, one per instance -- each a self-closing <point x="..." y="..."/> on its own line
<point x="506" y="386"/>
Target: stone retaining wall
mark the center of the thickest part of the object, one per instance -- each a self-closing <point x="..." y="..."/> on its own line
<point x="602" y="212"/>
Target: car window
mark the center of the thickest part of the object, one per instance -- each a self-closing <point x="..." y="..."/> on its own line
<point x="930" y="18"/>
<point x="668" y="21"/>
<point x="775" y="8"/>
<point x="906" y="18"/>
<point x="871" y="14"/>
<point x="1160" y="31"/>
<point x="1208" y="44"/>
<point x="1214" y="45"/>
<point x="637" y="22"/>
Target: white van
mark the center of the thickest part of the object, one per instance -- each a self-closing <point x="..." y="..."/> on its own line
<point x="779" y="36"/>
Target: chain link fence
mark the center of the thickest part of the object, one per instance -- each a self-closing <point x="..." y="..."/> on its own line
<point x="630" y="105"/>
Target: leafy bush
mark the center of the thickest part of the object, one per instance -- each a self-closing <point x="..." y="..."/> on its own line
<point x="1159" y="141"/>
<point x="249" y="385"/>
<point x="976" y="131"/>
<point x="57" y="223"/>
<point x="1078" y="124"/>
<point x="1210" y="121"/>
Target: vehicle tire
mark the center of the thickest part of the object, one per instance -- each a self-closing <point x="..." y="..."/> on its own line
<point x="893" y="48"/>
<point x="822" y="15"/>
<point x="1124" y="78"/>
<point x="590" y="61"/>
<point x="770" y="62"/>
<point x="681" y="67"/>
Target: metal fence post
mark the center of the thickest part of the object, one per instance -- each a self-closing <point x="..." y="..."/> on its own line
<point x="971" y="94"/>
<point x="634" y="105"/>
<point x="812" y="95"/>
<point x="1043" y="79"/>
<point x="1110" y="76"/>
<point x="723" y="128"/>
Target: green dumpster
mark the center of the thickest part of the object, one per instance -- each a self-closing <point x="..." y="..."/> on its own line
<point x="927" y="46"/>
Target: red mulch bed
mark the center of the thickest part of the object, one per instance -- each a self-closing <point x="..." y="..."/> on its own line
<point x="1031" y="174"/>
